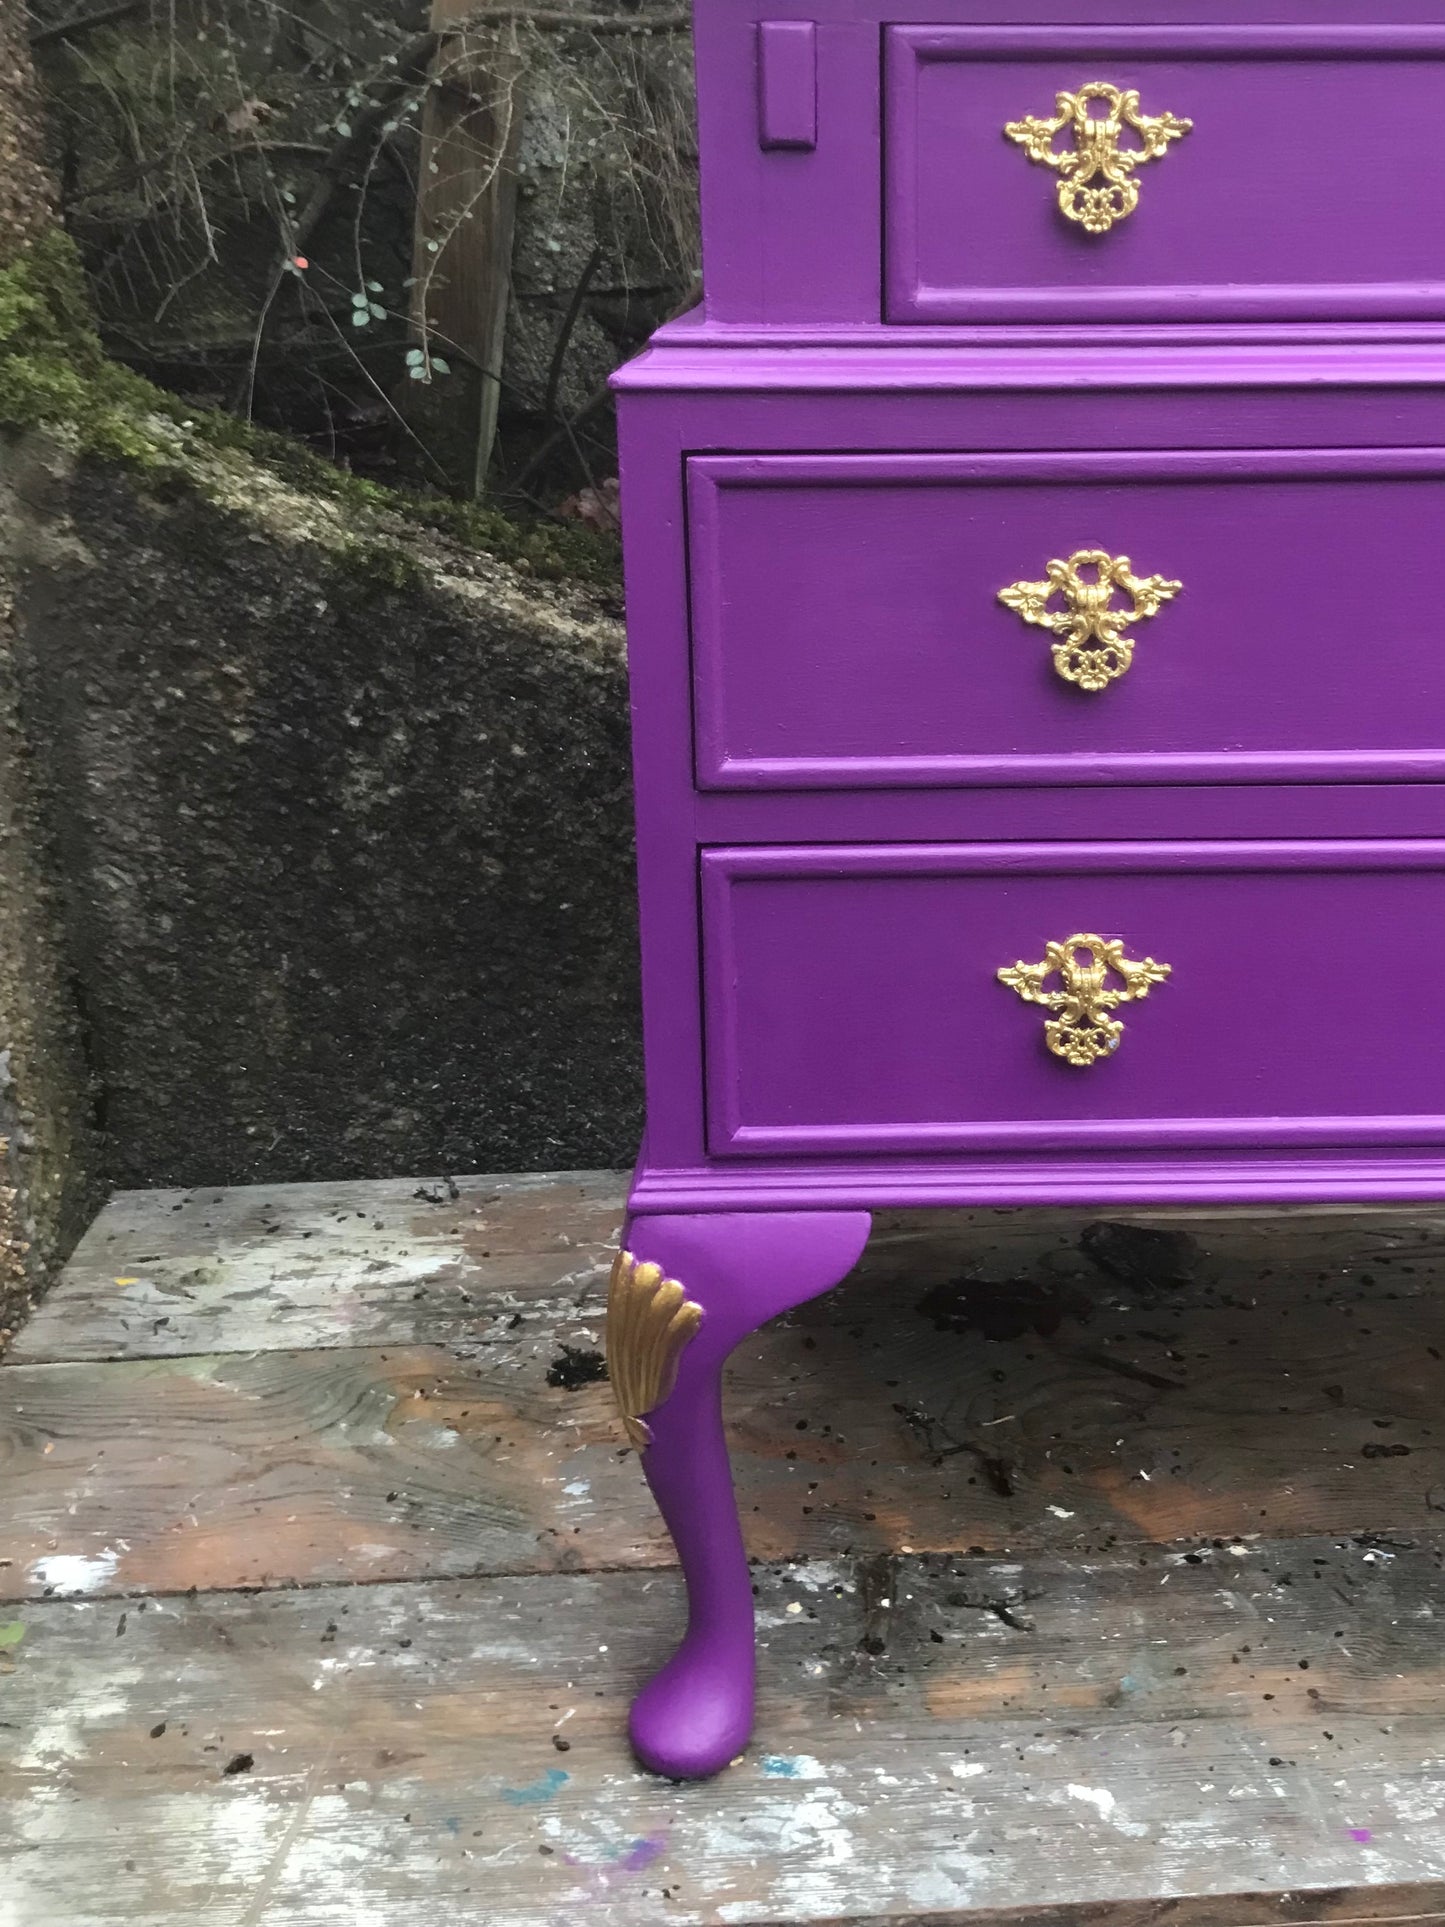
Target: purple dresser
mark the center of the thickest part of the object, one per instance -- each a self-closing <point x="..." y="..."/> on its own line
<point x="1036" y="602"/>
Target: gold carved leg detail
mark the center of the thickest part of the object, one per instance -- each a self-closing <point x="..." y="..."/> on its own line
<point x="649" y="1320"/>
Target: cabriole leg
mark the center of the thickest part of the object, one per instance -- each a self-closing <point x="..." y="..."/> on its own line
<point x="685" y="1292"/>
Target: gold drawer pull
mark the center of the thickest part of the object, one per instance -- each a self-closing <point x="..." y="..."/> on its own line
<point x="1096" y="155"/>
<point x="1093" y="647"/>
<point x="1083" y="1031"/>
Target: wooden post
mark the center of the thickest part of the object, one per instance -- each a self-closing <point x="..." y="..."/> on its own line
<point x="466" y="210"/>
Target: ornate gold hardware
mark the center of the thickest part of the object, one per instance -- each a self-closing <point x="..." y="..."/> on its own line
<point x="649" y="1320"/>
<point x="1083" y="1031"/>
<point x="1093" y="648"/>
<point x="1096" y="155"/>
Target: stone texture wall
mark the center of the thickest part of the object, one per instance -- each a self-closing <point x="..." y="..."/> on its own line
<point x="47" y="1148"/>
<point x="343" y="829"/>
<point x="315" y="824"/>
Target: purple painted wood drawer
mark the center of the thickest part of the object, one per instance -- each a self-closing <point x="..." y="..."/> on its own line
<point x="848" y="631"/>
<point x="853" y="1003"/>
<point x="1308" y="185"/>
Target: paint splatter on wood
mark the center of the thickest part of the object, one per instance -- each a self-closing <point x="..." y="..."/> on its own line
<point x="1188" y="1673"/>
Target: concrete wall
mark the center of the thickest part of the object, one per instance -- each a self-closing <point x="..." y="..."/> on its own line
<point x="47" y="1165"/>
<point x="346" y="867"/>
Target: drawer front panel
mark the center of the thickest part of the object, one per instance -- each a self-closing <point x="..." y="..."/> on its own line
<point x="1308" y="184"/>
<point x="848" y="629"/>
<point x="854" y="1006"/>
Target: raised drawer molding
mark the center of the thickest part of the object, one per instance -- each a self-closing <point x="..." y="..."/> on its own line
<point x="898" y="950"/>
<point x="848" y="628"/>
<point x="1038" y="665"/>
<point x="1268" y="210"/>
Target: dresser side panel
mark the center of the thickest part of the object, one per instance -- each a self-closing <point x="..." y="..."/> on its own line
<point x="658" y="676"/>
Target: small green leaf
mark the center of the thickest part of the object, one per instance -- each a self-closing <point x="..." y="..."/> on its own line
<point x="374" y="287"/>
<point x="359" y="301"/>
<point x="11" y="1632"/>
<point x="414" y="357"/>
<point x="343" y="127"/>
<point x="418" y="373"/>
<point x="440" y="367"/>
<point x="360" y="318"/>
<point x="378" y="313"/>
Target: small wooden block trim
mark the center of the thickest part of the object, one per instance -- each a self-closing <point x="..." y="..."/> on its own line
<point x="787" y="84"/>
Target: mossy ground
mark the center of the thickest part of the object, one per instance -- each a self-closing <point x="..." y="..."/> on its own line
<point x="55" y="374"/>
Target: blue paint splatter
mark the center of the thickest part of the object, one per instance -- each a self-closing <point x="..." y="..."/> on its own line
<point x="453" y="1827"/>
<point x="642" y="1853"/>
<point x="777" y="1767"/>
<point x="538" y="1791"/>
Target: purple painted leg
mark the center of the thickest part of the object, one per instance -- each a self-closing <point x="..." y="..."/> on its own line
<point x="735" y="1271"/>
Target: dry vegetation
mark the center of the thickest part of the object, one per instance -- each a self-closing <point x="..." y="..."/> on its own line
<point x="270" y="221"/>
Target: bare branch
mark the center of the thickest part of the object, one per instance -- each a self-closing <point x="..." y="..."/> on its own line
<point x="549" y="20"/>
<point x="564" y="333"/>
<point x="84" y="23"/>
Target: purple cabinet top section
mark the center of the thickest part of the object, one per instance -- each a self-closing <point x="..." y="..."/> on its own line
<point x="864" y="166"/>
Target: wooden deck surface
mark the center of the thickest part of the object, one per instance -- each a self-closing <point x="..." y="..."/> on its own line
<point x="325" y="1575"/>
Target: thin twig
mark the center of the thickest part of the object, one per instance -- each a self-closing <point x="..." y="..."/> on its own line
<point x="119" y="183"/>
<point x="558" y="20"/>
<point x="83" y="23"/>
<point x="564" y="333"/>
<point x="565" y="432"/>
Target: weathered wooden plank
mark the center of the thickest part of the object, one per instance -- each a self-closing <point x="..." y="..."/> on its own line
<point x="272" y="1267"/>
<point x="1088" y="1743"/>
<point x="404" y="1261"/>
<point x="859" y="1429"/>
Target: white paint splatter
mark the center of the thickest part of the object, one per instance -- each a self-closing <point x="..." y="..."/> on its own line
<point x="1094" y="1796"/>
<point x="1417" y="1805"/>
<point x="970" y="1769"/>
<point x="820" y="1575"/>
<point x="944" y="1888"/>
<point x="818" y="1824"/>
<point x="1107" y="1806"/>
<point x="53" y="1743"/>
<point x="68" y="1573"/>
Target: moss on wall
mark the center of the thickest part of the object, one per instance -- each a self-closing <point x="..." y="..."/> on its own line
<point x="337" y="786"/>
<point x="55" y="375"/>
<point x="48" y="1150"/>
<point x="46" y="1165"/>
